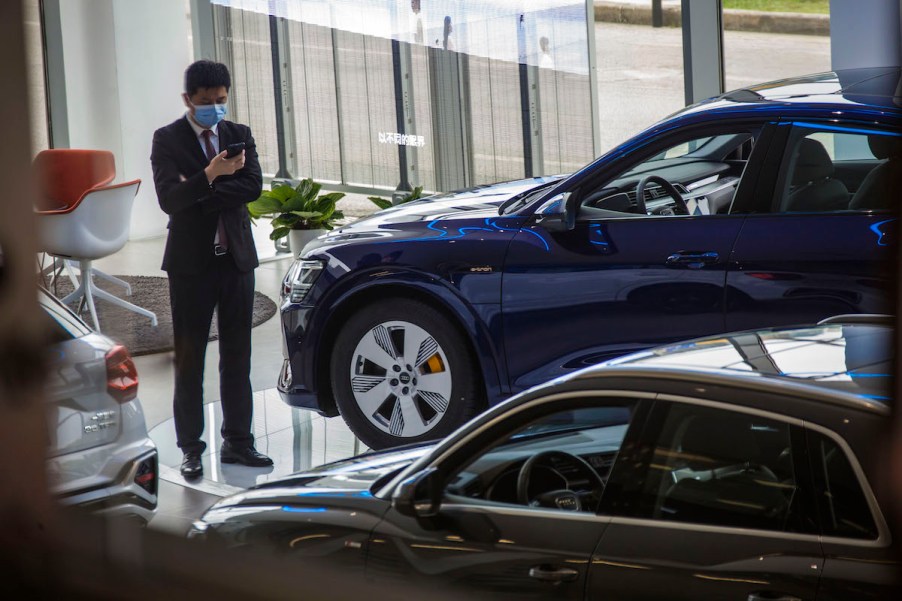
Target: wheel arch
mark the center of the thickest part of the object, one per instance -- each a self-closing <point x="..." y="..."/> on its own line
<point x="432" y="293"/>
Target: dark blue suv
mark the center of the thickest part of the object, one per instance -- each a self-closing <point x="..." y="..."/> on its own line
<point x="766" y="206"/>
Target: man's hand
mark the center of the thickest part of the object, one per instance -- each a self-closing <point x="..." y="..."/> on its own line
<point x="220" y="165"/>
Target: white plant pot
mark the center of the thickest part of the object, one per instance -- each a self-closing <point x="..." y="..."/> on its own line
<point x="298" y="239"/>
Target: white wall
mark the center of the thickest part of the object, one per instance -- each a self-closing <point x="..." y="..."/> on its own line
<point x="124" y="65"/>
<point x="865" y="34"/>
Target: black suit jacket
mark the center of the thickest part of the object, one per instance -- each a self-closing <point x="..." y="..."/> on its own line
<point x="194" y="207"/>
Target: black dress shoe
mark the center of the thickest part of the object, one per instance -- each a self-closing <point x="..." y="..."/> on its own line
<point x="192" y="466"/>
<point x="244" y="455"/>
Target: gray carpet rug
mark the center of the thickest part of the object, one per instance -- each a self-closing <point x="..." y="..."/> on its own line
<point x="151" y="293"/>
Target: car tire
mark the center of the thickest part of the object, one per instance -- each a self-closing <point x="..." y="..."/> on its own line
<point x="401" y="373"/>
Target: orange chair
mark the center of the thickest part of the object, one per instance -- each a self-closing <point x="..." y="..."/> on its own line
<point x="65" y="175"/>
<point x="82" y="218"/>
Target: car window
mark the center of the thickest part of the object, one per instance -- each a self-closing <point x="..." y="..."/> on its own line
<point x="842" y="505"/>
<point x="844" y="146"/>
<point x="558" y="461"/>
<point x="717" y="467"/>
<point x="833" y="169"/>
<point x="59" y="322"/>
<point x="694" y="176"/>
<point x="681" y="149"/>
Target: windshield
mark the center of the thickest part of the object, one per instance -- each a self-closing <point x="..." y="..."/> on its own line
<point x="577" y="419"/>
<point x="514" y="203"/>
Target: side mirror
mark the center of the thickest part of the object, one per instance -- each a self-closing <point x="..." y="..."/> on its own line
<point x="558" y="213"/>
<point x="419" y="496"/>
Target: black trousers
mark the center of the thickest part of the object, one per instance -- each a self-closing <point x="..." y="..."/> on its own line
<point x="193" y="298"/>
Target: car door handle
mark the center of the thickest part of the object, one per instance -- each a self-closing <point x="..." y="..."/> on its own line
<point x="550" y="574"/>
<point x="771" y="596"/>
<point x="693" y="260"/>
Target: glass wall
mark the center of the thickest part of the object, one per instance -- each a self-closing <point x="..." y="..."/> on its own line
<point x="640" y="70"/>
<point x="243" y="42"/>
<point x="796" y="42"/>
<point x="443" y="94"/>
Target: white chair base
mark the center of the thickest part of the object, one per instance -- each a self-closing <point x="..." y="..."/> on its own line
<point x="86" y="291"/>
<point x="55" y="269"/>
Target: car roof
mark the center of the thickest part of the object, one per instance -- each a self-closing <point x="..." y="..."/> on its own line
<point x="845" y="362"/>
<point x="870" y="89"/>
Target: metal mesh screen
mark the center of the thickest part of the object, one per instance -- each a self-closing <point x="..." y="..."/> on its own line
<point x="243" y="43"/>
<point x="316" y="146"/>
<point x="469" y="115"/>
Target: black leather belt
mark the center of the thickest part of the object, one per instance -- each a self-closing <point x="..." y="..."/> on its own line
<point x="219" y="250"/>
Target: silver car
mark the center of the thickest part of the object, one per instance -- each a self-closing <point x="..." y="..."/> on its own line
<point x="99" y="456"/>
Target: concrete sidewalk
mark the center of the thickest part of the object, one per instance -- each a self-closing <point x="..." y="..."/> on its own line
<point x="638" y="12"/>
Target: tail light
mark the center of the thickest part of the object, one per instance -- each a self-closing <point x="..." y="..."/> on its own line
<point x="121" y="374"/>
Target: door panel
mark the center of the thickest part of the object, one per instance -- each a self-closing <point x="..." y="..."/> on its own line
<point x="709" y="504"/>
<point x="639" y="559"/>
<point x="570" y="299"/>
<point x="800" y="268"/>
<point x="483" y="552"/>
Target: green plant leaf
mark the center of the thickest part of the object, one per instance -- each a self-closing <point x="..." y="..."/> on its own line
<point x="263" y="206"/>
<point x="382" y="203"/>
<point x="279" y="232"/>
<point x="295" y="203"/>
<point x="332" y="197"/>
<point x="315" y="188"/>
<point x="307" y="214"/>
<point x="303" y="189"/>
<point x="282" y="192"/>
<point x="285" y="220"/>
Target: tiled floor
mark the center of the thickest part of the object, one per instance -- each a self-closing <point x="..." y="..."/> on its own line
<point x="295" y="439"/>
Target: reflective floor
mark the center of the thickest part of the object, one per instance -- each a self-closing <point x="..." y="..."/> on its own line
<point x="295" y="439"/>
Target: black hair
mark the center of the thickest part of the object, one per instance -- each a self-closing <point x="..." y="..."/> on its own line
<point x="206" y="74"/>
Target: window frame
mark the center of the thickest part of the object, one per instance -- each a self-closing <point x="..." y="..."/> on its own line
<point x="642" y="466"/>
<point x="450" y="462"/>
<point x="747" y="190"/>
<point x="883" y="536"/>
<point x="634" y="471"/>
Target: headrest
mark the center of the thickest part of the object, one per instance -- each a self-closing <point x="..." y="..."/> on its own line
<point x="812" y="163"/>
<point x="712" y="442"/>
<point x="885" y="147"/>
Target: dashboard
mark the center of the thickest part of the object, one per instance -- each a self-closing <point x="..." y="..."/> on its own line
<point x="562" y="466"/>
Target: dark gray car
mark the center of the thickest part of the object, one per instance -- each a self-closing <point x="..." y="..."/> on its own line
<point x="743" y="466"/>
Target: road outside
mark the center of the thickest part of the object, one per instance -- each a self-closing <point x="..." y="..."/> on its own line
<point x="640" y="70"/>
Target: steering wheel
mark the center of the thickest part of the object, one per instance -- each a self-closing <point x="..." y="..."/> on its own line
<point x="668" y="187"/>
<point x="565" y="499"/>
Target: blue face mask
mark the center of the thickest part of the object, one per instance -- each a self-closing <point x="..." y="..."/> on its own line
<point x="208" y="115"/>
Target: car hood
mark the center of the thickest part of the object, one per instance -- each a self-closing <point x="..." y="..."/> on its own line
<point x="353" y="477"/>
<point x="473" y="204"/>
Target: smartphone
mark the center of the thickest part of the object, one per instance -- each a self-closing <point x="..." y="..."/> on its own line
<point x="233" y="150"/>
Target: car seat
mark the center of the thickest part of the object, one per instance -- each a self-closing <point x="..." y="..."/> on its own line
<point x="722" y="480"/>
<point x="880" y="188"/>
<point x="813" y="187"/>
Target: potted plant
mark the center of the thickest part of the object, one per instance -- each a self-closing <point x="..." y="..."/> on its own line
<point x="298" y="212"/>
<point x="383" y="203"/>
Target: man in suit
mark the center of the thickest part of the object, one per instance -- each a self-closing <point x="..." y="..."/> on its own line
<point x="210" y="258"/>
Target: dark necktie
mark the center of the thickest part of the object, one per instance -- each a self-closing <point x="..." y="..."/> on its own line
<point x="211" y="152"/>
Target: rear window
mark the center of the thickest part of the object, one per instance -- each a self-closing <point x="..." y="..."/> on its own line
<point x="60" y="323"/>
